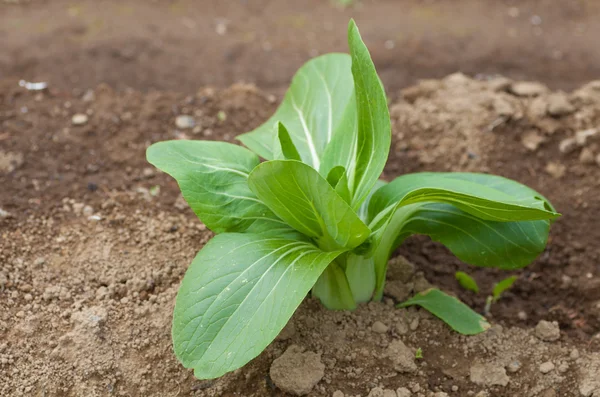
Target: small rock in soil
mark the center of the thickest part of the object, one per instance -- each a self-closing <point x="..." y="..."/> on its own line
<point x="4" y="214"/>
<point x="397" y="289"/>
<point x="556" y="170"/>
<point x="420" y="283"/>
<point x="185" y="121"/>
<point x="559" y="105"/>
<point x="546" y="367"/>
<point x="548" y="393"/>
<point x="589" y="385"/>
<point x="514" y="366"/>
<point x="402" y="357"/>
<point x="79" y="119"/>
<point x="532" y="140"/>
<point x="547" y="331"/>
<point x="527" y="88"/>
<point x="582" y="137"/>
<point x="379" y="327"/>
<point x="403" y="392"/>
<point x="488" y="374"/>
<point x="10" y="161"/>
<point x="380" y="392"/>
<point x="402" y="326"/>
<point x="568" y="145"/>
<point x="587" y="156"/>
<point x="337" y="393"/>
<point x="297" y="372"/>
<point x="399" y="268"/>
<point x="440" y="394"/>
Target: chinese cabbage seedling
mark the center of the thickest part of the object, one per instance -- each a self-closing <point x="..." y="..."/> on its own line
<point x="467" y="282"/>
<point x="314" y="216"/>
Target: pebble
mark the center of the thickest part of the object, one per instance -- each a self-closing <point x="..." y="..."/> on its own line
<point x="185" y="121"/>
<point x="582" y="137"/>
<point x="522" y="315"/>
<point x="556" y="170"/>
<point x="381" y="392"/>
<point x="546" y="367"/>
<point x="338" y="393"/>
<point x="547" y="331"/>
<point x="4" y="214"/>
<point x="379" y="327"/>
<point x="563" y="367"/>
<point x="574" y="354"/>
<point x="527" y="88"/>
<point x="559" y="105"/>
<point x="414" y="324"/>
<point x="88" y="211"/>
<point x="587" y="156"/>
<point x="532" y="140"/>
<point x="79" y="119"/>
<point x="514" y="366"/>
<point x="297" y="372"/>
<point x="567" y="145"/>
<point x="488" y="374"/>
<point x="403" y="392"/>
<point x="403" y="358"/>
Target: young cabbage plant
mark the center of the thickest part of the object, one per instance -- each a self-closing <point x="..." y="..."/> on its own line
<point x="314" y="216"/>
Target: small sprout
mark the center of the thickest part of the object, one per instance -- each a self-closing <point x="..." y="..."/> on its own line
<point x="467" y="282"/>
<point x="154" y="190"/>
<point x="497" y="292"/>
<point x="222" y="116"/>
<point x="503" y="286"/>
<point x="419" y="353"/>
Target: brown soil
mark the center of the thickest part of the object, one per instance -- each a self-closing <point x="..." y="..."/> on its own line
<point x="92" y="252"/>
<point x="182" y="45"/>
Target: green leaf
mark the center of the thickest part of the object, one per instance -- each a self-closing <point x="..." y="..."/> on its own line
<point x="467" y="282"/>
<point x="450" y="310"/>
<point x="363" y="211"/>
<point x="337" y="179"/>
<point x="488" y="201"/>
<point x="288" y="148"/>
<point x="502" y="286"/>
<point x="305" y="200"/>
<point x="213" y="177"/>
<point x="313" y="109"/>
<point x="374" y="130"/>
<point x="332" y="289"/>
<point x="451" y="215"/>
<point x="237" y="295"/>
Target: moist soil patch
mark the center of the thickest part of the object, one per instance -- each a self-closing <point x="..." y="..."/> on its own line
<point x="94" y="243"/>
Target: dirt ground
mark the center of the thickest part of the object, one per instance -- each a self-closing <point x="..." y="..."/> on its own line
<point x="94" y="242"/>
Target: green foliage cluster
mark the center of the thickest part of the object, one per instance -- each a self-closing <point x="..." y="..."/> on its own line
<point x="314" y="217"/>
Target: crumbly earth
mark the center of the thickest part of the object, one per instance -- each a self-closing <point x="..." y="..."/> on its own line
<point x="94" y="243"/>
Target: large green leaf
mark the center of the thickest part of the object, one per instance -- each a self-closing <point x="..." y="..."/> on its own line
<point x="213" y="177"/>
<point x="313" y="109"/>
<point x="487" y="201"/>
<point x="447" y="217"/>
<point x="374" y="130"/>
<point x="237" y="295"/>
<point x="449" y="309"/>
<point x="307" y="202"/>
